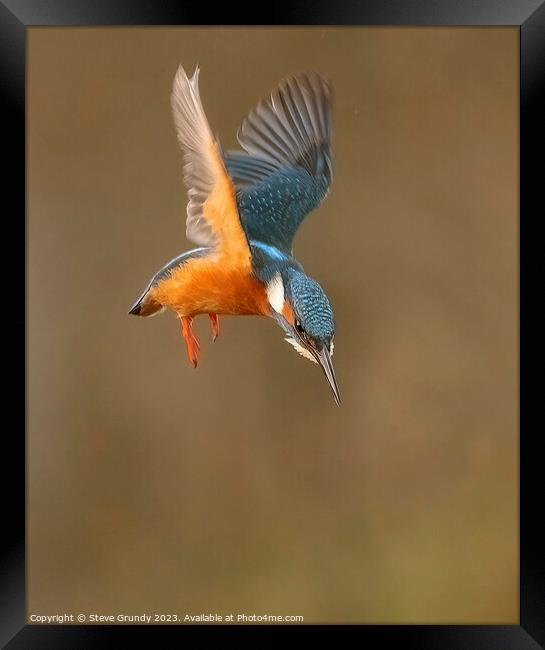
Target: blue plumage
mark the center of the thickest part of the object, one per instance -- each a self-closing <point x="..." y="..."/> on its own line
<point x="273" y="209"/>
<point x="285" y="168"/>
<point x="311" y="306"/>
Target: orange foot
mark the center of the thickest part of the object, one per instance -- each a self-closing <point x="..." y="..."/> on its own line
<point x="215" y="325"/>
<point x="191" y="340"/>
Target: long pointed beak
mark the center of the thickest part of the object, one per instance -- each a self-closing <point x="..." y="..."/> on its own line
<point x="324" y="359"/>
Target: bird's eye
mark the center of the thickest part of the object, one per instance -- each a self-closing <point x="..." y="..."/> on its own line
<point x="299" y="327"/>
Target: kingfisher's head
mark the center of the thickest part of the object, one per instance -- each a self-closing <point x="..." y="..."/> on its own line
<point x="299" y="305"/>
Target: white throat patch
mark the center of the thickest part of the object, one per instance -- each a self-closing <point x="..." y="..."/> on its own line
<point x="300" y="349"/>
<point x="275" y="293"/>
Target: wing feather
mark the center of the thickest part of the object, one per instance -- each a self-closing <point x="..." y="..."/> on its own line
<point x="212" y="214"/>
<point x="286" y="159"/>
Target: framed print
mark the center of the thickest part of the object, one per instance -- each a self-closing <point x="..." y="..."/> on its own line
<point x="361" y="182"/>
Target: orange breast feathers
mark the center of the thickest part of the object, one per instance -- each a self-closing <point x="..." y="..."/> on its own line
<point x="212" y="284"/>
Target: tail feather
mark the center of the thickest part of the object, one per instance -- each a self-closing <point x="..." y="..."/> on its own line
<point x="145" y="306"/>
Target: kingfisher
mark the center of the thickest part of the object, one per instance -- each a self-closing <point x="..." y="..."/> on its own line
<point x="244" y="209"/>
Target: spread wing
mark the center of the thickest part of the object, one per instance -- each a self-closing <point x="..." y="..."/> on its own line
<point x="212" y="214"/>
<point x="285" y="168"/>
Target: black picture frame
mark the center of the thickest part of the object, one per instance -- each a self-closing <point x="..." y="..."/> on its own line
<point x="529" y="15"/>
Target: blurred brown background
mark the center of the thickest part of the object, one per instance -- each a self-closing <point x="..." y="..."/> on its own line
<point x="239" y="487"/>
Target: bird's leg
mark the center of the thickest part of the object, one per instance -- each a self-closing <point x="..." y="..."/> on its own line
<point x="215" y="325"/>
<point x="191" y="340"/>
